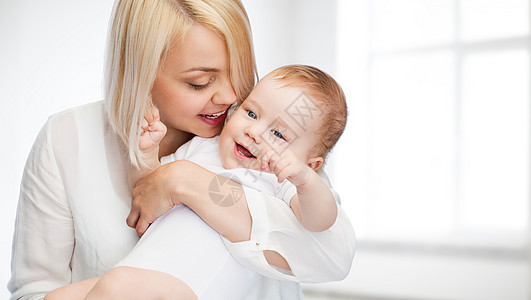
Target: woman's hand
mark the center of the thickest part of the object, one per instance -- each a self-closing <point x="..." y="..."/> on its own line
<point x="153" y="195"/>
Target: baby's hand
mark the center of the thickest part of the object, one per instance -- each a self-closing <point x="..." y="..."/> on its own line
<point x="285" y="166"/>
<point x="151" y="132"/>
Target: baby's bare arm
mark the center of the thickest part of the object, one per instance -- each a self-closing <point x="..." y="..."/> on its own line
<point x="314" y="204"/>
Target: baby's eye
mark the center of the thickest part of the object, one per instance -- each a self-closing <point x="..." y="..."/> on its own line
<point x="252" y="115"/>
<point x="278" y="134"/>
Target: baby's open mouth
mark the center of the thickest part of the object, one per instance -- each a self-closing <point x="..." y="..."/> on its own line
<point x="244" y="151"/>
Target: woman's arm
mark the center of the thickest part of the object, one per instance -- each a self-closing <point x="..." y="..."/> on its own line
<point x="43" y="241"/>
<point x="255" y="226"/>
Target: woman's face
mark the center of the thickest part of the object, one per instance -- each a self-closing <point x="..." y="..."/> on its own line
<point x="193" y="90"/>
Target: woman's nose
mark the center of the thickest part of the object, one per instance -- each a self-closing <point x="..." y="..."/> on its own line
<point x="225" y="94"/>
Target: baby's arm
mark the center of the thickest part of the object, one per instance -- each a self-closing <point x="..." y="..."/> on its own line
<point x="151" y="133"/>
<point x="313" y="205"/>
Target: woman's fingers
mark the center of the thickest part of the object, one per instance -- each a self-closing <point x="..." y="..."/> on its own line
<point x="141" y="227"/>
<point x="140" y="218"/>
<point x="134" y="214"/>
<point x="150" y="200"/>
<point x="132" y="218"/>
<point x="155" y="194"/>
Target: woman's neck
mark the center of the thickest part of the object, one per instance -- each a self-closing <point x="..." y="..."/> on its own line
<point x="172" y="140"/>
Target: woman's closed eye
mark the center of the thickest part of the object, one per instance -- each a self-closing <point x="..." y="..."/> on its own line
<point x="199" y="87"/>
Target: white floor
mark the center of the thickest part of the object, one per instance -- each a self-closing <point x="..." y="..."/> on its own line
<point x="322" y="296"/>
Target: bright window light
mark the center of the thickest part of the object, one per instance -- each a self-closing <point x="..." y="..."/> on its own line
<point x="495" y="141"/>
<point x="490" y="19"/>
<point x="439" y="135"/>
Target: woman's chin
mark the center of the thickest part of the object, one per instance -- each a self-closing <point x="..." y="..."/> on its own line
<point x="209" y="132"/>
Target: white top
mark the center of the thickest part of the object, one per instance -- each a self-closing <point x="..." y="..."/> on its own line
<point x="205" y="152"/>
<point x="75" y="197"/>
<point x="180" y="243"/>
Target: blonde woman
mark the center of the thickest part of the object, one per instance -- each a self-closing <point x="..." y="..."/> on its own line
<point x="191" y="60"/>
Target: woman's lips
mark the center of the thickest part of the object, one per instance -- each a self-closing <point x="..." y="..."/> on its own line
<point x="214" y="119"/>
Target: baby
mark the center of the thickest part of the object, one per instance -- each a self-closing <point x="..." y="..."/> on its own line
<point x="274" y="142"/>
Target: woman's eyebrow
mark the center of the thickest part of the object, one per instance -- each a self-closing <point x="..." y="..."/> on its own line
<point x="202" y="69"/>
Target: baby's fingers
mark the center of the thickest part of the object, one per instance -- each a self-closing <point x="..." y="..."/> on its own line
<point x="284" y="173"/>
<point x="157" y="126"/>
<point x="279" y="165"/>
<point x="152" y="114"/>
<point x="145" y="126"/>
<point x="266" y="160"/>
<point x="155" y="113"/>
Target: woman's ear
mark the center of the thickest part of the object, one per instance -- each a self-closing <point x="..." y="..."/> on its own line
<point x="315" y="163"/>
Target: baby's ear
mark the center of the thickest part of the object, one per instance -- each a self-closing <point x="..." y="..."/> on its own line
<point x="315" y="163"/>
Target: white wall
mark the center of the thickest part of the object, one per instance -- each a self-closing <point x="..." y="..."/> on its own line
<point x="51" y="58"/>
<point x="293" y="32"/>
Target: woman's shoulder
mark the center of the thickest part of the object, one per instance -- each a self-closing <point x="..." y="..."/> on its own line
<point x="90" y="110"/>
<point x="78" y="125"/>
<point x="89" y="116"/>
<point x="80" y="137"/>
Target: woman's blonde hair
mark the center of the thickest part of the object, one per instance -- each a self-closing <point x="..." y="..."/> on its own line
<point x="140" y="35"/>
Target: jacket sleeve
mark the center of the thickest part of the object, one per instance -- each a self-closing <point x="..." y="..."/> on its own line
<point x="312" y="256"/>
<point x="43" y="240"/>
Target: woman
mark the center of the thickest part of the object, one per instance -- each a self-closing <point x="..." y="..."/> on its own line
<point x="75" y="191"/>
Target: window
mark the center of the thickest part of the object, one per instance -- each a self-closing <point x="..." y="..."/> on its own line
<point x="434" y="166"/>
<point x="439" y="120"/>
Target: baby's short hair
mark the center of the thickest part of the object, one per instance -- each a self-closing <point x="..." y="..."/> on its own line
<point x="325" y="92"/>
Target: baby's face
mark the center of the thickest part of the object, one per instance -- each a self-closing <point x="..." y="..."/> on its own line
<point x="269" y="119"/>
